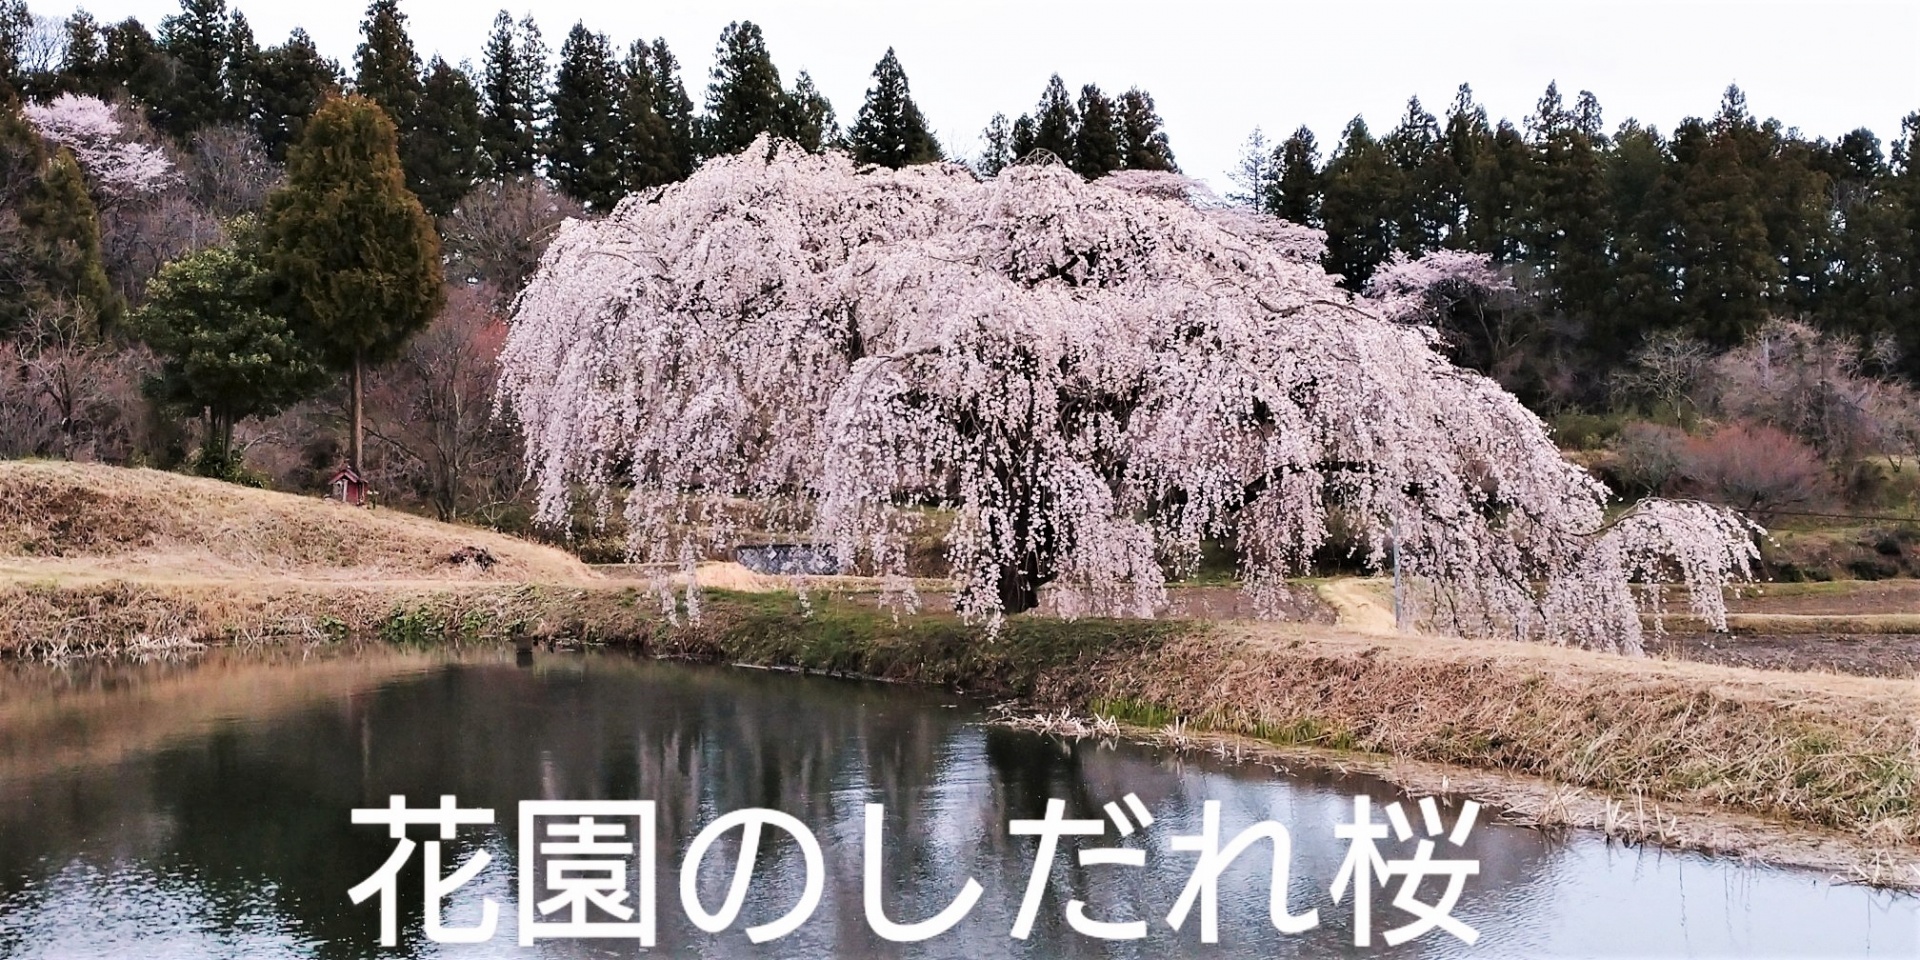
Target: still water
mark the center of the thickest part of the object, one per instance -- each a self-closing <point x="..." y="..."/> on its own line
<point x="202" y="809"/>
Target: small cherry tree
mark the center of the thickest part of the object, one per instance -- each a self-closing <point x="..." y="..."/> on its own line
<point x="1092" y="379"/>
<point x="121" y="168"/>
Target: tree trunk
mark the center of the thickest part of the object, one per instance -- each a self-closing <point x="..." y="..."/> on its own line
<point x="1020" y="586"/>
<point x="354" y="446"/>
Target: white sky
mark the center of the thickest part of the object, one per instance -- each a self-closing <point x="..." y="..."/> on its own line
<point x="1217" y="69"/>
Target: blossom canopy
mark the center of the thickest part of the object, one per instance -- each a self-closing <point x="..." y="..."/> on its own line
<point x="1092" y="380"/>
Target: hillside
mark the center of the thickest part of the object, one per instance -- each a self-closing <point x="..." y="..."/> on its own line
<point x="76" y="520"/>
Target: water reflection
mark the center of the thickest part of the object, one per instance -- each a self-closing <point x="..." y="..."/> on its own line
<point x="202" y="810"/>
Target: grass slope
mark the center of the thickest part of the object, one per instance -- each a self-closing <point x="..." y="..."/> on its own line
<point x="72" y="521"/>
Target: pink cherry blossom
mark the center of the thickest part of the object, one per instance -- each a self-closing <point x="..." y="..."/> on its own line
<point x="124" y="169"/>
<point x="1085" y="381"/>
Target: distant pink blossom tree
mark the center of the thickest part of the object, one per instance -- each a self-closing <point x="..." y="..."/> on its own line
<point x="122" y="168"/>
<point x="1424" y="288"/>
<point x="1092" y="382"/>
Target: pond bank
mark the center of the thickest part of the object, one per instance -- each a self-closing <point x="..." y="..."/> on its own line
<point x="1644" y="748"/>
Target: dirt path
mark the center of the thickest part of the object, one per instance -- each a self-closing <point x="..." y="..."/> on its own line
<point x="1360" y="605"/>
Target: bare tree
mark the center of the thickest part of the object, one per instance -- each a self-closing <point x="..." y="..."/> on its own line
<point x="433" y="410"/>
<point x="64" y="393"/>
<point x="497" y="233"/>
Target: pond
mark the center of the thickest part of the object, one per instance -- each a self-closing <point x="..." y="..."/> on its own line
<point x="203" y="808"/>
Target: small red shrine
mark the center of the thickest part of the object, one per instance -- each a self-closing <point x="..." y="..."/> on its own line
<point x="348" y="487"/>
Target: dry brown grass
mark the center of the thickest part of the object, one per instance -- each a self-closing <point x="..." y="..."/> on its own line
<point x="1836" y="751"/>
<point x="70" y="520"/>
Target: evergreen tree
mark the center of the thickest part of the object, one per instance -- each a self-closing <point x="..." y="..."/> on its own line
<point x="132" y="62"/>
<point x="1055" y="123"/>
<point x="1253" y="177"/>
<point x="806" y="117"/>
<point x="387" y="68"/>
<point x="744" y="98"/>
<point x="584" y="143"/>
<point x="1143" y="142"/>
<point x="1565" y="215"/>
<point x="1643" y="278"/>
<point x="243" y="69"/>
<point x="1730" y="277"/>
<point x="354" y="259"/>
<point x="1096" y="143"/>
<point x="15" y="23"/>
<point x="197" y="45"/>
<point x="890" y="131"/>
<point x="82" y="66"/>
<point x="1419" y="220"/>
<point x="446" y="138"/>
<point x="996" y="143"/>
<point x="1465" y="142"/>
<point x="515" y="92"/>
<point x="223" y="351"/>
<point x="675" y="109"/>
<point x="1297" y="182"/>
<point x="648" y="154"/>
<point x="1021" y="139"/>
<point x="50" y="254"/>
<point x="1358" y="205"/>
<point x="289" y="82"/>
<point x="62" y="230"/>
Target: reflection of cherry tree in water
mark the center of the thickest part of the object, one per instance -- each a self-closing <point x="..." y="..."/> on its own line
<point x="1095" y="379"/>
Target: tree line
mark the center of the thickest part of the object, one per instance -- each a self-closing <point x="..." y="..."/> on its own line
<point x="599" y="121"/>
<point x="1615" y="236"/>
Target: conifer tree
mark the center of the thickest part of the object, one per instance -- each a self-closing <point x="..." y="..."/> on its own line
<point x="354" y="259"/>
<point x="63" y="233"/>
<point x="290" y="81"/>
<point x="1358" y="205"/>
<point x="890" y="130"/>
<point x="1096" y="142"/>
<point x="82" y="64"/>
<point x="386" y="66"/>
<point x="584" y="142"/>
<point x="1731" y="276"/>
<point x="996" y="142"/>
<point x="1143" y="142"/>
<point x="675" y="109"/>
<point x="243" y="68"/>
<point x="1643" y="278"/>
<point x="806" y="117"/>
<point x="648" y="155"/>
<point x="1021" y="138"/>
<point x="1465" y="139"/>
<point x="515" y="92"/>
<point x="15" y="22"/>
<point x="447" y="138"/>
<point x="1411" y="146"/>
<point x="1297" y="180"/>
<point x="1055" y="123"/>
<point x="197" y="44"/>
<point x="132" y="62"/>
<point x="744" y="98"/>
<point x="1253" y="177"/>
<point x="52" y="256"/>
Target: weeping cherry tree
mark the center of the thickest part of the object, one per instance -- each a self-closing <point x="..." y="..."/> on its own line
<point x="1091" y="380"/>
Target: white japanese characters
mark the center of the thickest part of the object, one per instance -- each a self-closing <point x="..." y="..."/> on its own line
<point x="587" y="870"/>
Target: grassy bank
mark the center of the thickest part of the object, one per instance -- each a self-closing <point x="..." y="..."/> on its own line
<point x="100" y="561"/>
<point x="1835" y="751"/>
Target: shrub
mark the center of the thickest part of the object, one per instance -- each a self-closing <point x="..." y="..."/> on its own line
<point x="1759" y="469"/>
<point x="1648" y="459"/>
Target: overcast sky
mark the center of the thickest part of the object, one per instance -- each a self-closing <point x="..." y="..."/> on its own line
<point x="1219" y="69"/>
